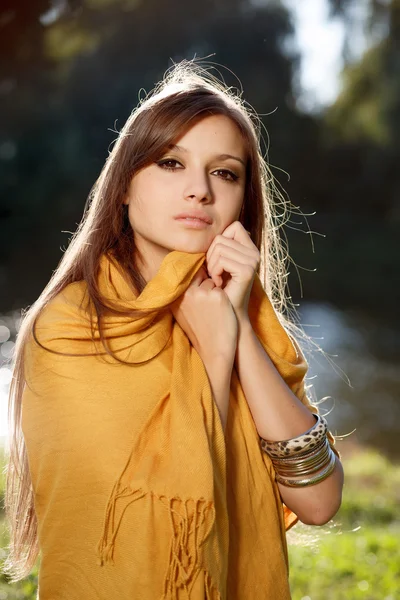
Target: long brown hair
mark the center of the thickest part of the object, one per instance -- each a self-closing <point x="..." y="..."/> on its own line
<point x="187" y="93"/>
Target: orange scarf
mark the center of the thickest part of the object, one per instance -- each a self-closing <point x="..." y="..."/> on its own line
<point x="138" y="492"/>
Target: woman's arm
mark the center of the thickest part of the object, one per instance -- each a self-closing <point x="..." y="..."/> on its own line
<point x="219" y="374"/>
<point x="280" y="415"/>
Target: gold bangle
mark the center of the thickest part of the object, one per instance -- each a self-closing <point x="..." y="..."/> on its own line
<point x="311" y="480"/>
<point x="305" y="470"/>
<point x="301" y="466"/>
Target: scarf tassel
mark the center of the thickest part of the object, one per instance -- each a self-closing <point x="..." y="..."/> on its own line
<point x="189" y="532"/>
<point x="183" y="566"/>
<point x="105" y="547"/>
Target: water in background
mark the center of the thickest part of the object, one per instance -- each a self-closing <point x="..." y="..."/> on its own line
<point x="364" y="382"/>
<point x="362" y="386"/>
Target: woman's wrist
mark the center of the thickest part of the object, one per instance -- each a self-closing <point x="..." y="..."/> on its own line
<point x="244" y="323"/>
<point x="219" y="372"/>
<point x="220" y="363"/>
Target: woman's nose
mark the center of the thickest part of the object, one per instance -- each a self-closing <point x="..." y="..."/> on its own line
<point x="198" y="186"/>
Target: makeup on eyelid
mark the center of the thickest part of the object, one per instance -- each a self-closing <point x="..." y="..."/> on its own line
<point x="163" y="164"/>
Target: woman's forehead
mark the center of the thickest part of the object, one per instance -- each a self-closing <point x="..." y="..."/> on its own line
<point x="218" y="133"/>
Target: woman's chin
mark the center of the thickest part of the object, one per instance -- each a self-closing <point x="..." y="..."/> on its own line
<point x="193" y="248"/>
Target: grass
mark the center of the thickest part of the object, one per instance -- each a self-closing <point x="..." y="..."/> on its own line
<point x="354" y="556"/>
<point x="361" y="564"/>
<point x="357" y="554"/>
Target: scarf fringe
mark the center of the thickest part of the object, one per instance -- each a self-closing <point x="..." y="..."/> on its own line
<point x="105" y="547"/>
<point x="190" y="529"/>
<point x="183" y="566"/>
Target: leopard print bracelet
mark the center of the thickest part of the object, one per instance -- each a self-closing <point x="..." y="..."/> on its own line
<point x="299" y="445"/>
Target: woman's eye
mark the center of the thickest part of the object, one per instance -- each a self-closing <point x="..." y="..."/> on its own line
<point x="227" y="175"/>
<point x="169" y="164"/>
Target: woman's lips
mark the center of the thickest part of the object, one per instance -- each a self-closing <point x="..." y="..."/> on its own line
<point x="193" y="223"/>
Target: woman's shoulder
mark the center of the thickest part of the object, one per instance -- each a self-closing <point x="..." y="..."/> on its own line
<point x="72" y="301"/>
<point x="65" y="317"/>
<point x="57" y="338"/>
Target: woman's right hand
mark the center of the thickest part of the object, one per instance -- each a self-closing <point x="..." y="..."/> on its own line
<point x="205" y="314"/>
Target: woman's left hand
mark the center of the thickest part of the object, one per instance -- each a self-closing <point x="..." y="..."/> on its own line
<point x="232" y="260"/>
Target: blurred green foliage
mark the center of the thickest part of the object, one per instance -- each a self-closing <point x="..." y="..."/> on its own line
<point x="354" y="556"/>
<point x="359" y="565"/>
<point x="72" y="72"/>
<point x="357" y="554"/>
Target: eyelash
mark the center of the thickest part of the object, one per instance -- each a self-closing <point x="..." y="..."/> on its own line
<point x="162" y="164"/>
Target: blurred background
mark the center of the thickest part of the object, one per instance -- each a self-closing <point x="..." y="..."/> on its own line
<point x="325" y="77"/>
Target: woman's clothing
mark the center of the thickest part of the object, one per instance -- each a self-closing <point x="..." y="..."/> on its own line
<point x="138" y="493"/>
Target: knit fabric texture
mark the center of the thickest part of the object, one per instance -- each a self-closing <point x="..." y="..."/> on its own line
<point x="138" y="492"/>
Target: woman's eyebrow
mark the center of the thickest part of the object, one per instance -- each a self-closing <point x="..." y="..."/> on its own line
<point x="225" y="156"/>
<point x="219" y="157"/>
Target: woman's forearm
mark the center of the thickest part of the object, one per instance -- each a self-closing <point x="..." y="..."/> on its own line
<point x="219" y="373"/>
<point x="279" y="415"/>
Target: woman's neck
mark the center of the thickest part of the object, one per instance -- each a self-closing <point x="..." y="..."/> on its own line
<point x="149" y="258"/>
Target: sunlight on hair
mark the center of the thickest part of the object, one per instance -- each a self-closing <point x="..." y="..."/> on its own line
<point x="189" y="90"/>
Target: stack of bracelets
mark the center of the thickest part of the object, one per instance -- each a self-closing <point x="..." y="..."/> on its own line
<point x="308" y="455"/>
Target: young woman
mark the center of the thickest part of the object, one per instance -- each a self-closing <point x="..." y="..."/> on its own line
<point x="163" y="441"/>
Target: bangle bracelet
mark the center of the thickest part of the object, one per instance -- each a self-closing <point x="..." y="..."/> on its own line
<point x="311" y="480"/>
<point x="298" y="445"/>
<point x="303" y="457"/>
<point x="303" y="467"/>
<point x="305" y="471"/>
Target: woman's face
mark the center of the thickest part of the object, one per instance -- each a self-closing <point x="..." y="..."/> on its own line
<point x="204" y="171"/>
